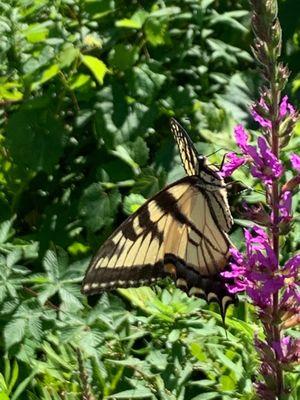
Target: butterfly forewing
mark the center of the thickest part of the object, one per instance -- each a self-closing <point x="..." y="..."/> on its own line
<point x="188" y="153"/>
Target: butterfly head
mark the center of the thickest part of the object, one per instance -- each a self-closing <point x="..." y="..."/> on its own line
<point x="208" y="171"/>
<point x="202" y="161"/>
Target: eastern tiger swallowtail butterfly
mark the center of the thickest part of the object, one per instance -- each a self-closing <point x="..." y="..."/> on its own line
<point x="181" y="232"/>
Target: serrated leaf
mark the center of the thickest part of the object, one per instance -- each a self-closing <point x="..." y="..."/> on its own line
<point x="14" y="332"/>
<point x="98" y="208"/>
<point x="5" y="231"/>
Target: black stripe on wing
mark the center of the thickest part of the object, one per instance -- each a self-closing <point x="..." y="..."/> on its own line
<point x="211" y="288"/>
<point x="136" y="247"/>
<point x="188" y="153"/>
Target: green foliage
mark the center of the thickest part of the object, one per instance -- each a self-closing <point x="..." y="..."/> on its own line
<point x="86" y="92"/>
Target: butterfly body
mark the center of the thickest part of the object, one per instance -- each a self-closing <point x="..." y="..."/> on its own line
<point x="181" y="232"/>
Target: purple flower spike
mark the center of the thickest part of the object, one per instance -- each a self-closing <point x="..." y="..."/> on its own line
<point x="233" y="163"/>
<point x="285" y="108"/>
<point x="295" y="160"/>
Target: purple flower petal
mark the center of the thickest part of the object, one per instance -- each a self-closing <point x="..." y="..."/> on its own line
<point x="241" y="137"/>
<point x="266" y="165"/>
<point x="292" y="266"/>
<point x="295" y="160"/>
<point x="285" y="108"/>
<point x="264" y="123"/>
<point x="233" y="163"/>
<point x="285" y="204"/>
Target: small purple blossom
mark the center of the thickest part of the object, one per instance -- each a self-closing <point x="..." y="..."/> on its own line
<point x="241" y="137"/>
<point x="233" y="163"/>
<point x="255" y="272"/>
<point x="287" y="349"/>
<point x="293" y="265"/>
<point x="295" y="160"/>
<point x="286" y="108"/>
<point x="285" y="204"/>
<point x="264" y="123"/>
<point x="266" y="166"/>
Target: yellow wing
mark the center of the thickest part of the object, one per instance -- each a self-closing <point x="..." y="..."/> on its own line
<point x="173" y="234"/>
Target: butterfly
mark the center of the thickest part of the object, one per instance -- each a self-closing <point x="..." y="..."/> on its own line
<point x="181" y="232"/>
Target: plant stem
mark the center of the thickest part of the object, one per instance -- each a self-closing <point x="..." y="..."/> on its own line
<point x="275" y="98"/>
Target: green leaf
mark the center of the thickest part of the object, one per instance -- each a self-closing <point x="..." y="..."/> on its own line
<point x="227" y="383"/>
<point x="22" y="386"/>
<point x="123" y="56"/>
<point x="145" y="83"/>
<point x="132" y="203"/>
<point x="6" y="231"/>
<point x="165" y="12"/>
<point x="37" y="32"/>
<point x="68" y="55"/>
<point x="135" y="22"/>
<point x="41" y="131"/>
<point x="96" y="66"/>
<point x="140" y="151"/>
<point x="207" y="396"/>
<point x="156" y="31"/>
<point x="78" y="81"/>
<point x="47" y="74"/>
<point x="10" y="90"/>
<point x="138" y="393"/>
<point x="122" y="153"/>
<point x="98" y="208"/>
<point x="14" y="332"/>
<point x="3" y="389"/>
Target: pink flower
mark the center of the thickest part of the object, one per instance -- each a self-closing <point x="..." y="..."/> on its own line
<point x="241" y="137"/>
<point x="266" y="166"/>
<point x="287" y="349"/>
<point x="233" y="163"/>
<point x="285" y="204"/>
<point x="285" y="108"/>
<point x="295" y="160"/>
<point x="263" y="122"/>
<point x="255" y="272"/>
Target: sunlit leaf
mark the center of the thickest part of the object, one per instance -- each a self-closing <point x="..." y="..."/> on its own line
<point x="96" y="66"/>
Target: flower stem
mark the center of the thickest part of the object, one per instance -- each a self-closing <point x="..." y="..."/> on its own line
<point x="275" y="230"/>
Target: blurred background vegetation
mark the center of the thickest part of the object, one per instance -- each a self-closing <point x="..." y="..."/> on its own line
<point x="87" y="88"/>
